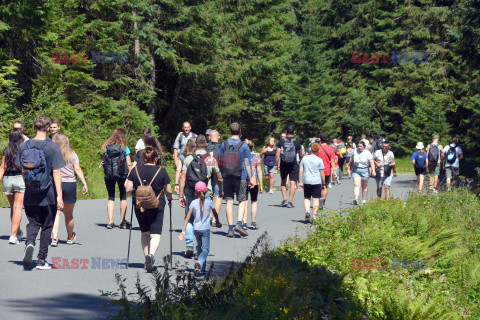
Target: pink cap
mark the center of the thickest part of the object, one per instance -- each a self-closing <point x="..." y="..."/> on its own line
<point x="200" y="186"/>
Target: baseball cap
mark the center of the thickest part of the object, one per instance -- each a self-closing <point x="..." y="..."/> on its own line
<point x="323" y="136"/>
<point x="208" y="132"/>
<point x="436" y="136"/>
<point x="200" y="186"/>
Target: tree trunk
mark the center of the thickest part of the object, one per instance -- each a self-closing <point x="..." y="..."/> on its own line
<point x="173" y="101"/>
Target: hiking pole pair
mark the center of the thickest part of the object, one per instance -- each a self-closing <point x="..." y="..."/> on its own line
<point x="171" y="231"/>
<point x="130" y="232"/>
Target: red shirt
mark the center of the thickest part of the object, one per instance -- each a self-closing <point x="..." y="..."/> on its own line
<point x="326" y="153"/>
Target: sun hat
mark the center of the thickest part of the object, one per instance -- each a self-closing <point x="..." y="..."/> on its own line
<point x="420" y="145"/>
<point x="200" y="186"/>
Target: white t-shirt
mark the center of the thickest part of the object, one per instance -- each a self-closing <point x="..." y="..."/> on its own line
<point x="362" y="159"/>
<point x="140" y="144"/>
<point x="384" y="159"/>
<point x="458" y="151"/>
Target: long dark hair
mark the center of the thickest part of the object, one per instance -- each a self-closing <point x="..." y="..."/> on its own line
<point x="15" y="138"/>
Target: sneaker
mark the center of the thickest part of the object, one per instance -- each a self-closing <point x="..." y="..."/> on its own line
<point x="230" y="234"/>
<point x="290" y="205"/>
<point x="435" y="191"/>
<point x="189" y="252"/>
<point x="324" y="207"/>
<point x="110" y="225"/>
<point x="13" y="240"/>
<point x="240" y="231"/>
<point x="54" y="242"/>
<point x="70" y="241"/>
<point x="284" y="203"/>
<point x="149" y="261"/>
<point x="198" y="269"/>
<point x="355" y="202"/>
<point x="244" y="227"/>
<point x="27" y="259"/>
<point x="308" y="217"/>
<point x="124" y="225"/>
<point x="431" y="188"/>
<point x="329" y="186"/>
<point x="195" y="256"/>
<point x="43" y="265"/>
<point x="364" y="202"/>
<point x="19" y="235"/>
<point x="271" y="191"/>
<point x="254" y="226"/>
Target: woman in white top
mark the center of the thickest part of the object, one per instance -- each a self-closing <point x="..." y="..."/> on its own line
<point x="69" y="187"/>
<point x="362" y="160"/>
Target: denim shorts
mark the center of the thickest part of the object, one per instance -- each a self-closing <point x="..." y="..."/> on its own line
<point x="216" y="192"/>
<point x="269" y="169"/>
<point x="361" y="173"/>
<point x="13" y="184"/>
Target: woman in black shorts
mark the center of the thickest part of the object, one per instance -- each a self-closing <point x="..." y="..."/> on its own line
<point x="151" y="220"/>
<point x="69" y="187"/>
<point x="117" y="138"/>
<point x="256" y="174"/>
<point x="268" y="153"/>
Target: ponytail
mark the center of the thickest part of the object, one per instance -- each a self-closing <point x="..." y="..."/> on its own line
<point x="201" y="196"/>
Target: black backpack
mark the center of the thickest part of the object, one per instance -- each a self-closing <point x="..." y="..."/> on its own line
<point x="115" y="166"/>
<point x="230" y="165"/>
<point x="212" y="149"/>
<point x="451" y="155"/>
<point x="289" y="154"/>
<point x="377" y="145"/>
<point x="196" y="171"/>
<point x="433" y="153"/>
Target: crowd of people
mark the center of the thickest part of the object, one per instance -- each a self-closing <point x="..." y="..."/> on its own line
<point x="40" y="175"/>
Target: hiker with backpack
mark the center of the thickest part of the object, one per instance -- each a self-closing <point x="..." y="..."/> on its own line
<point x="189" y="150"/>
<point x="452" y="155"/>
<point x="327" y="154"/>
<point x="41" y="161"/>
<point x="435" y="157"/>
<point x="287" y="150"/>
<point x="199" y="210"/>
<point x="420" y="164"/>
<point x="199" y="166"/>
<point x="116" y="164"/>
<point x="312" y="180"/>
<point x="69" y="188"/>
<point x="269" y="152"/>
<point x="253" y="189"/>
<point x="348" y="155"/>
<point x="342" y="149"/>
<point x="149" y="183"/>
<point x="213" y="149"/>
<point x="363" y="164"/>
<point x="236" y="177"/>
<point x="384" y="166"/>
<point x="181" y="141"/>
<point x="148" y="140"/>
<point x="13" y="184"/>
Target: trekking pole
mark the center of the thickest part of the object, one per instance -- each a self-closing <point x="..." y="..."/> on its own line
<point x="130" y="232"/>
<point x="171" y="258"/>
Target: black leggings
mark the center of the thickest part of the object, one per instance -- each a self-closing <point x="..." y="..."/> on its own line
<point x="110" y="184"/>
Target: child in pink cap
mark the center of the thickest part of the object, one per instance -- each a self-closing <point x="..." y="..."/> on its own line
<point x="201" y="208"/>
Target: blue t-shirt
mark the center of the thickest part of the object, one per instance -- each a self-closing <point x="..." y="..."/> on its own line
<point x="201" y="219"/>
<point x="244" y="154"/>
<point x="415" y="154"/>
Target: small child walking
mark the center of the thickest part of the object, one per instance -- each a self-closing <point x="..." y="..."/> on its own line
<point x="201" y="208"/>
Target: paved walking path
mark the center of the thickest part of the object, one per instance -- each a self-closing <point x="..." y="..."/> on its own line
<point x="74" y="293"/>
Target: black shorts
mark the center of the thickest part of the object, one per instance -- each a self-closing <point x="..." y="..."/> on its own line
<point x="110" y="184"/>
<point x="69" y="192"/>
<point x="234" y="186"/>
<point x="421" y="171"/>
<point x="151" y="220"/>
<point x="312" y="191"/>
<point x="289" y="170"/>
<point x="253" y="193"/>
<point x="328" y="179"/>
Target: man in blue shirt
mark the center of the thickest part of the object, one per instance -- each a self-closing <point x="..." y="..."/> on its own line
<point x="233" y="181"/>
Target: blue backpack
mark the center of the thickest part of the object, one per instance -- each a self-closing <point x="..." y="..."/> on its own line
<point x="37" y="174"/>
<point x="421" y="160"/>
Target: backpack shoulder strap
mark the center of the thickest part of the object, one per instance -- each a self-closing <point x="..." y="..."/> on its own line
<point x="29" y="144"/>
<point x="329" y="159"/>
<point x="239" y="145"/>
<point x="139" y="179"/>
<point x="44" y="143"/>
<point x="154" y="176"/>
<point x="226" y="145"/>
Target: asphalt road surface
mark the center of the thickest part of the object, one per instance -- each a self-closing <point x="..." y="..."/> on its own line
<point x="74" y="293"/>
